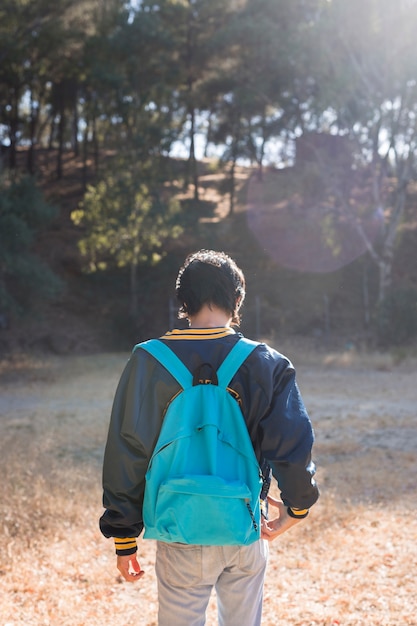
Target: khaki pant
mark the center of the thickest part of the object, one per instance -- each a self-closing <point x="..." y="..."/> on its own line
<point x="187" y="574"/>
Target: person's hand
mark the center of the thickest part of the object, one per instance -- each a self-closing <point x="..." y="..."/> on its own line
<point x="274" y="527"/>
<point x="129" y="567"/>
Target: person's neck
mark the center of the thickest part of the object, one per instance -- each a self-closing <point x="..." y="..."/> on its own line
<point x="210" y="317"/>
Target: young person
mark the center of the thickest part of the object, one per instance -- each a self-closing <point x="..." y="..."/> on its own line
<point x="210" y="289"/>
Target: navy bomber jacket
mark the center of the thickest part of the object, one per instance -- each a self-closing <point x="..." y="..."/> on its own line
<point x="277" y="421"/>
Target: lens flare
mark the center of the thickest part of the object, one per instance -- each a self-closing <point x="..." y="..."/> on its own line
<point x="320" y="238"/>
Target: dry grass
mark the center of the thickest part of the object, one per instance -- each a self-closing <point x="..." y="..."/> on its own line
<point x="351" y="564"/>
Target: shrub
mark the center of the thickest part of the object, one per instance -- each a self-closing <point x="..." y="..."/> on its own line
<point x="24" y="278"/>
<point x="397" y="316"/>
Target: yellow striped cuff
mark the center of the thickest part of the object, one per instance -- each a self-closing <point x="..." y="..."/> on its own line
<point x="300" y="513"/>
<point x="123" y="544"/>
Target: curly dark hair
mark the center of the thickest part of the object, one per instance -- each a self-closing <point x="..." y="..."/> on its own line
<point x="210" y="277"/>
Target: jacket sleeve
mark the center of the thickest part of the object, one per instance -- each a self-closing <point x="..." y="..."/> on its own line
<point x="287" y="438"/>
<point x="125" y="461"/>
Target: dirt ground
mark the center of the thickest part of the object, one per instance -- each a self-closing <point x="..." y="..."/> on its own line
<point x="352" y="563"/>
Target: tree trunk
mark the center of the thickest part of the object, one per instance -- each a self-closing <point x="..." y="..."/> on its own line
<point x="52" y="131"/>
<point x="387" y="257"/>
<point x="95" y="145"/>
<point x="235" y="154"/>
<point x="34" y="117"/>
<point x="13" y="130"/>
<point x="208" y="136"/>
<point x="61" y="130"/>
<point x="192" y="159"/>
<point x="262" y="149"/>
<point x="365" y="293"/>
<point x="134" y="309"/>
<point x="261" y="157"/>
<point x="190" y="48"/>
<point x="261" y="163"/>
<point x="385" y="273"/>
<point x="85" y="153"/>
<point x="232" y="186"/>
<point x="75" y="143"/>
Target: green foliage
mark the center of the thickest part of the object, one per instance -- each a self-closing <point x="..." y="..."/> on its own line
<point x="397" y="316"/>
<point x="24" y="278"/>
<point x="125" y="223"/>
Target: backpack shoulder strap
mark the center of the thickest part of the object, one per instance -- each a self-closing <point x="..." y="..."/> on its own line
<point x="237" y="355"/>
<point x="168" y="359"/>
<point x="162" y="353"/>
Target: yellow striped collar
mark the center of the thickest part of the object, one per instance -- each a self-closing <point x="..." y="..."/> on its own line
<point x="199" y="333"/>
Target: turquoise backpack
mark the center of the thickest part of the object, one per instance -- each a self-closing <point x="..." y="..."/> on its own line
<point x="203" y="481"/>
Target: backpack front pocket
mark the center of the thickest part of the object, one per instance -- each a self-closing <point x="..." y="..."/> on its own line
<point x="205" y="510"/>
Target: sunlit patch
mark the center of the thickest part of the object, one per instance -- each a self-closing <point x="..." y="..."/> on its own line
<point x="321" y="237"/>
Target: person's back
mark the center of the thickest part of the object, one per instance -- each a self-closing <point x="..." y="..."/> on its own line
<point x="210" y="289"/>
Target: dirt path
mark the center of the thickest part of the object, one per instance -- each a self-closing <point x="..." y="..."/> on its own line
<point x="352" y="563"/>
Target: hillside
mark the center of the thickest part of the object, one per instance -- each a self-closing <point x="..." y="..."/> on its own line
<point x="292" y="288"/>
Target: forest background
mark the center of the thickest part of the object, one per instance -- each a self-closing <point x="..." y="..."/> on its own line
<point x="134" y="133"/>
<point x="281" y="131"/>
